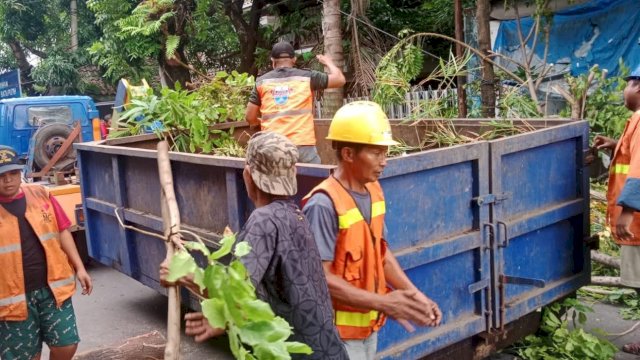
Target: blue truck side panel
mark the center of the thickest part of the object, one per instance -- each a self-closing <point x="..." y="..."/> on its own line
<point x="490" y="230"/>
<point x="16" y="130"/>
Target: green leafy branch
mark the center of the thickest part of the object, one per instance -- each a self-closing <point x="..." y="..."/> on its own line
<point x="556" y="341"/>
<point x="254" y="331"/>
<point x="185" y="117"/>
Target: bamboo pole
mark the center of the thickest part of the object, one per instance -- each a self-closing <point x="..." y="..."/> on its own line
<point x="171" y="221"/>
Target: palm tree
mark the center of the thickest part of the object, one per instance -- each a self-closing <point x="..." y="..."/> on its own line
<point x="332" y="33"/>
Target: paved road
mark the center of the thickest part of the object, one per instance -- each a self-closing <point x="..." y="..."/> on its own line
<point x="121" y="308"/>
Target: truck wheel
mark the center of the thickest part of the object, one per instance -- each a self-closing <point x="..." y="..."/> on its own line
<point x="48" y="139"/>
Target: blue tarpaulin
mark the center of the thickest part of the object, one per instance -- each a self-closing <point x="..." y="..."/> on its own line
<point x="597" y="32"/>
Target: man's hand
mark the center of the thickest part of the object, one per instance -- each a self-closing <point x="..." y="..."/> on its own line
<point x="198" y="326"/>
<point x="436" y="314"/>
<point x="413" y="306"/>
<point x="622" y="229"/>
<point x="602" y="142"/>
<point x="85" y="282"/>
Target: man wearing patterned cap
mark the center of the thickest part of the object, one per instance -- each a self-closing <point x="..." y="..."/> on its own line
<point x="283" y="99"/>
<point x="284" y="262"/>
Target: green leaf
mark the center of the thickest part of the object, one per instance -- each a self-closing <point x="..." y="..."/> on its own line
<point x="271" y="351"/>
<point x="198" y="279"/>
<point x="171" y="45"/>
<point x="239" y="270"/>
<point x="294" y="347"/>
<point x="257" y="332"/>
<point x="242" y="248"/>
<point x="225" y="247"/>
<point x="197" y="246"/>
<point x="214" y="311"/>
<point x="582" y="318"/>
<point x="181" y="264"/>
<point x="258" y="310"/>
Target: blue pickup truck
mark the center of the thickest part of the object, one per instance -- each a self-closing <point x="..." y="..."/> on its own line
<point x="45" y="122"/>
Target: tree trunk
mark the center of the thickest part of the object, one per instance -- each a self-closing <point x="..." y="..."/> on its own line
<point x="247" y="31"/>
<point x="487" y="87"/>
<point x="23" y="65"/>
<point x="74" y="25"/>
<point x="173" y="71"/>
<point x="461" y="80"/>
<point x="332" y="33"/>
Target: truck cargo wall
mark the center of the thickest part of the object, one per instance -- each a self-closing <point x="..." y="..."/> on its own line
<point x="490" y="230"/>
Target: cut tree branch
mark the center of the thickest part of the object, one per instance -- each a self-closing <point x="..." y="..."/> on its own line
<point x="605" y="259"/>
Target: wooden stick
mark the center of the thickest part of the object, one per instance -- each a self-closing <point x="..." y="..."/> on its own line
<point x="605" y="259"/>
<point x="171" y="221"/>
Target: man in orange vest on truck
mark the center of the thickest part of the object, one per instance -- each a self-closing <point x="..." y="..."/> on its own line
<point x="623" y="195"/>
<point x="283" y="99"/>
<point x="346" y="212"/>
<point x="40" y="265"/>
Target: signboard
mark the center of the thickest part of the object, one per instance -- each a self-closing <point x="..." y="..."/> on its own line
<point x="10" y="84"/>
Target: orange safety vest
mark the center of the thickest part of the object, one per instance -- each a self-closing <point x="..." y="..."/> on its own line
<point x="359" y="255"/>
<point x="621" y="167"/>
<point x="60" y="274"/>
<point x="287" y="108"/>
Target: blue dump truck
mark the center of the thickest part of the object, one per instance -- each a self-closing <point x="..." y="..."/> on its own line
<point x="491" y="230"/>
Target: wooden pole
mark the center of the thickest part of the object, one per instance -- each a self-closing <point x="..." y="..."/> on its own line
<point x="461" y="80"/>
<point x="171" y="221"/>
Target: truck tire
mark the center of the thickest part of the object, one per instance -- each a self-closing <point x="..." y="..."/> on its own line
<point x="48" y="139"/>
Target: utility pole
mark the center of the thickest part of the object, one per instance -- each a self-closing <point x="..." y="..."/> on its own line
<point x="74" y="25"/>
<point x="487" y="87"/>
<point x="461" y="80"/>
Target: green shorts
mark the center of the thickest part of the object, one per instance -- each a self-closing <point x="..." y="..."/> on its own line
<point x="45" y="322"/>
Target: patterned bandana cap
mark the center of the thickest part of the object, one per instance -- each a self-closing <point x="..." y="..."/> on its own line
<point x="9" y="160"/>
<point x="272" y="162"/>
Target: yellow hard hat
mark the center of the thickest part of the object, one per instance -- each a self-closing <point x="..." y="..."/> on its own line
<point x="361" y="122"/>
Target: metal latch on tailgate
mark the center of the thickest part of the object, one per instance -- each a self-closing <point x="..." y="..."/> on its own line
<point x="491" y="198"/>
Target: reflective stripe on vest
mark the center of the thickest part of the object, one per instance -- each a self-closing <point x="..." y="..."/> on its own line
<point x="13" y="300"/>
<point x="346" y="318"/>
<point x="64" y="282"/>
<point x="287" y="113"/>
<point x="48" y="236"/>
<point x="353" y="216"/>
<point x="282" y="80"/>
<point x="620" y="169"/>
<point x="10" y="248"/>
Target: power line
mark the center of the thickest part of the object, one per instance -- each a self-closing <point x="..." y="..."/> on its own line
<point x="375" y="28"/>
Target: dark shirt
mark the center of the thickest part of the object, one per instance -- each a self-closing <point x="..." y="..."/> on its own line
<point x="34" y="262"/>
<point x="285" y="267"/>
<point x="319" y="80"/>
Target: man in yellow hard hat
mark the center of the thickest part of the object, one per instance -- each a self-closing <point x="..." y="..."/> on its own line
<point x="346" y="212"/>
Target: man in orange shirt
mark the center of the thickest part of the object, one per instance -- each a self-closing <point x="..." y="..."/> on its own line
<point x="283" y="99"/>
<point x="623" y="195"/>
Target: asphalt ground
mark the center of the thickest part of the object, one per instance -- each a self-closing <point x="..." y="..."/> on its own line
<point x="121" y="308"/>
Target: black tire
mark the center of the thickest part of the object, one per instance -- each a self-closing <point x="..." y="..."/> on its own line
<point x="48" y="140"/>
